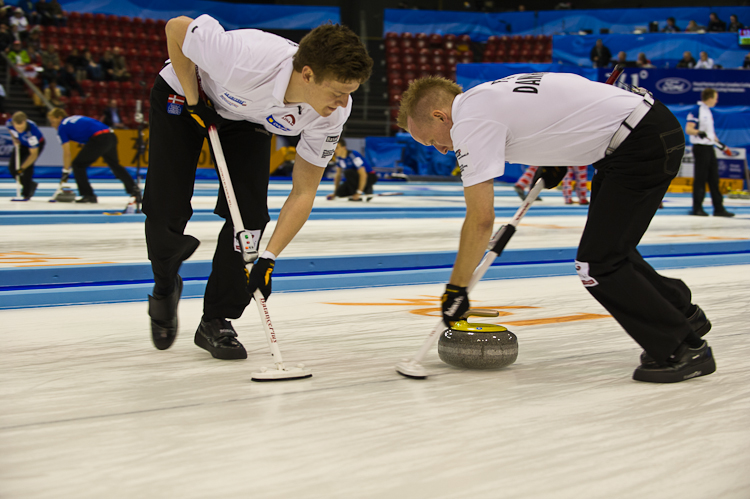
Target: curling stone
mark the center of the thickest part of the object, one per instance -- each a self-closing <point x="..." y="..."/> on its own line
<point x="66" y="196"/>
<point x="477" y="346"/>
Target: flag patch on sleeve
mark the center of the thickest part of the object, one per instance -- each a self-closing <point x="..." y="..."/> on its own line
<point x="175" y="103"/>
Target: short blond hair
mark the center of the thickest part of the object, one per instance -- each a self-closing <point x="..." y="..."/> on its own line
<point x="19" y="117"/>
<point x="57" y="112"/>
<point x="423" y="96"/>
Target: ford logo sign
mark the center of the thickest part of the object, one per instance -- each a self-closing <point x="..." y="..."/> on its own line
<point x="673" y="85"/>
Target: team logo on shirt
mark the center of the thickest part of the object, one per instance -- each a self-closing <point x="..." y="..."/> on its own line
<point x="289" y="118"/>
<point x="270" y="119"/>
<point x="232" y="100"/>
<point x="332" y="138"/>
<point x="327" y="152"/>
<point x="463" y="163"/>
<point x="175" y="103"/>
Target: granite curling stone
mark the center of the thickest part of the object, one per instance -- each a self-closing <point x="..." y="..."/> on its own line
<point x="477" y="346"/>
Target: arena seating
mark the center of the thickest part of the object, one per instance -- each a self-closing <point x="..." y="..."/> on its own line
<point x="410" y="56"/>
<point x="144" y="45"/>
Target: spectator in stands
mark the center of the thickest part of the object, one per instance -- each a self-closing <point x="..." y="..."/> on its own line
<point x="600" y="55"/>
<point x="693" y="27"/>
<point x="107" y="63"/>
<point x="687" y="61"/>
<point x="111" y="115"/>
<point x="715" y="24"/>
<point x="29" y="10"/>
<point x="705" y="62"/>
<point x="734" y="24"/>
<point x="76" y="60"/>
<point x="746" y="62"/>
<point x="54" y="93"/>
<point x="57" y="13"/>
<point x="6" y="37"/>
<point x="68" y="80"/>
<point x="93" y="68"/>
<point x="51" y="64"/>
<point x="622" y="58"/>
<point x="34" y="41"/>
<point x="18" y="55"/>
<point x="642" y="61"/>
<point x="671" y="26"/>
<point x="45" y="16"/>
<point x="19" y="24"/>
<point x="120" y="67"/>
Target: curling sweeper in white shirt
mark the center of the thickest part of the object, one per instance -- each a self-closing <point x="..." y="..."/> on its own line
<point x="557" y="119"/>
<point x="250" y="84"/>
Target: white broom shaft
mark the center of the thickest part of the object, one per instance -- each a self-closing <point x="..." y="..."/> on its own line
<point x="481" y="269"/>
<point x="226" y="181"/>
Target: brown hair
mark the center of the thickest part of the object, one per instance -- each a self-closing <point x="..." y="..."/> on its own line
<point x="333" y="51"/>
<point x="19" y="117"/>
<point x="423" y="96"/>
<point x="708" y="93"/>
<point x="57" y="112"/>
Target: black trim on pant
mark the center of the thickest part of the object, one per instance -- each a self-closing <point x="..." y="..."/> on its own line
<point x="175" y="144"/>
<point x="626" y="192"/>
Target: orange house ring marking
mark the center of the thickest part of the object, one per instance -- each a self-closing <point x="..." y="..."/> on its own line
<point x="433" y="311"/>
<point x="26" y="259"/>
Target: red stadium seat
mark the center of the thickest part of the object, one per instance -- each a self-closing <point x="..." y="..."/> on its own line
<point x="465" y="39"/>
<point x="74" y="18"/>
<point x="391" y="35"/>
<point x="450" y="38"/>
<point x="436" y="40"/>
<point x="100" y="19"/>
<point x="396" y="67"/>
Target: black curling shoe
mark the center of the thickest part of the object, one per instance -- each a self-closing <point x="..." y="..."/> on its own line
<point x="218" y="337"/>
<point x="686" y="363"/>
<point x="698" y="321"/>
<point x="163" y="313"/>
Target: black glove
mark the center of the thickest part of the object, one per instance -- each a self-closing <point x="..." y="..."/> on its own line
<point x="455" y="303"/>
<point x="702" y="134"/>
<point x="65" y="176"/>
<point x="204" y="114"/>
<point x="552" y="175"/>
<point x="260" y="277"/>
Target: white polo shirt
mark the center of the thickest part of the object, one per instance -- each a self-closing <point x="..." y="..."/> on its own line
<point x="245" y="73"/>
<point x="545" y="119"/>
<point x="703" y="119"/>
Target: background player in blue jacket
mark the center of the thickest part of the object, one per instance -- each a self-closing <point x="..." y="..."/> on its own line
<point x="98" y="141"/>
<point x="357" y="172"/>
<point x="26" y="136"/>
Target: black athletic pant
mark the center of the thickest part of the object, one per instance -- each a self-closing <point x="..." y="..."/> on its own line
<point x="706" y="169"/>
<point x="28" y="174"/>
<point x="626" y="191"/>
<point x="350" y="185"/>
<point x="103" y="146"/>
<point x="175" y="144"/>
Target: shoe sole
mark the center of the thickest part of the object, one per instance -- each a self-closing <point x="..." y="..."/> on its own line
<point x="701" y="332"/>
<point x="219" y="353"/>
<point x="704" y="368"/>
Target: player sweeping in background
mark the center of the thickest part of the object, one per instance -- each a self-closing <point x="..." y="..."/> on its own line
<point x="99" y="141"/>
<point x="558" y="119"/>
<point x="357" y="172"/>
<point x="28" y="139"/>
<point x="250" y="84"/>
